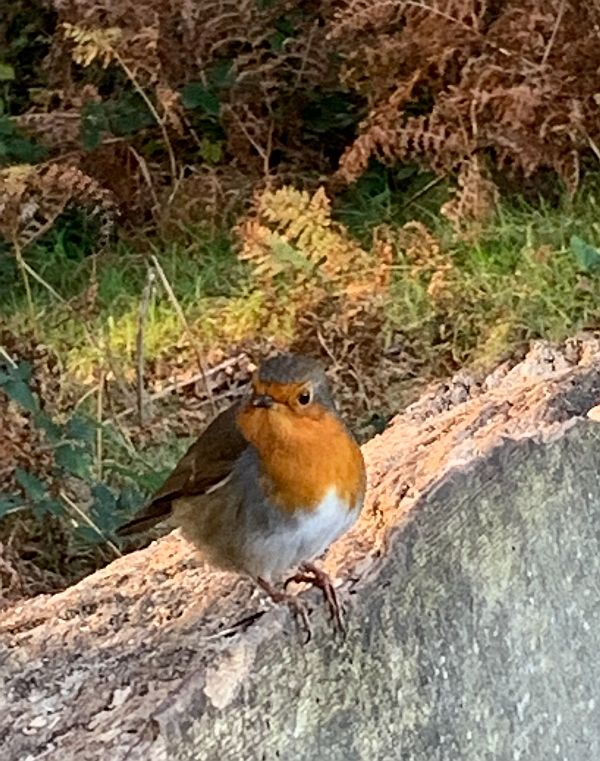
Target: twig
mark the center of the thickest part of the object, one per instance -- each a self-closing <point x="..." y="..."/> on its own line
<point x="145" y="174"/>
<point x="86" y="518"/>
<point x="90" y="392"/>
<point x="264" y="153"/>
<point x="8" y="358"/>
<point x="594" y="147"/>
<point x="187" y="382"/>
<point x="43" y="282"/>
<point x="152" y="109"/>
<point x="143" y="313"/>
<point x="99" y="430"/>
<point x="550" y="44"/>
<point x="23" y="268"/>
<point x="177" y="307"/>
<point x="16" y="509"/>
<point x="305" y="56"/>
<point x="425" y="189"/>
<point x="328" y="351"/>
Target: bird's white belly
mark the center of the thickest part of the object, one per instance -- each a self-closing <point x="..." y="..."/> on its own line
<point x="301" y="540"/>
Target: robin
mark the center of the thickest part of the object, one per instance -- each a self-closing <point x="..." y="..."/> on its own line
<point x="270" y="483"/>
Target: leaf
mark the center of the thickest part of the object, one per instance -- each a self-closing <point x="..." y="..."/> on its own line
<point x="21" y="393"/>
<point x="81" y="429"/>
<point x="8" y="504"/>
<point x="285" y="253"/>
<point x="221" y="75"/>
<point x="53" y="431"/>
<point x="15" y="148"/>
<point x="130" y="500"/>
<point x="89" y="534"/>
<point x="93" y="123"/>
<point x="210" y="152"/>
<point x="104" y="499"/>
<point x="125" y="115"/>
<point x="48" y="506"/>
<point x="23" y="371"/>
<point x="196" y="95"/>
<point x="586" y="255"/>
<point x="73" y="459"/>
<point x="34" y="488"/>
<point x="7" y="72"/>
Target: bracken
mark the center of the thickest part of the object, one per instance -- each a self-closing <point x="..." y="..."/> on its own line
<point x="453" y="84"/>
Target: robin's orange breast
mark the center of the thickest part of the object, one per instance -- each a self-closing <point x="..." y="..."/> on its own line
<point x="304" y="458"/>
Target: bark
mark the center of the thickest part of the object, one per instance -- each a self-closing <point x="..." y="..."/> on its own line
<point x="472" y="590"/>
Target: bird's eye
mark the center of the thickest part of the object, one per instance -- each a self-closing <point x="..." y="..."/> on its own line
<point x="304" y="398"/>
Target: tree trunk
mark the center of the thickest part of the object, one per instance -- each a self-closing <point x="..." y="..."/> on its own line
<point x="472" y="592"/>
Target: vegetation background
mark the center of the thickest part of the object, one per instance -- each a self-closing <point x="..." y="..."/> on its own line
<point x="406" y="188"/>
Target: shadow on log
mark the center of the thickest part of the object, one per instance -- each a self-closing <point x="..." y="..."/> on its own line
<point x="472" y="583"/>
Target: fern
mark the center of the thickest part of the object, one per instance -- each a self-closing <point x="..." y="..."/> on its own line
<point x="291" y="242"/>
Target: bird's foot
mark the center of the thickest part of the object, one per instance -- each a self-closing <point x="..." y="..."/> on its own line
<point x="311" y="574"/>
<point x="295" y="604"/>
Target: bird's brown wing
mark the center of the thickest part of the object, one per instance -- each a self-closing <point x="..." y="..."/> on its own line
<point x="207" y="463"/>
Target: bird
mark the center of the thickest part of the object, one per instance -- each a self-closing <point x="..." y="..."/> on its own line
<point x="272" y="481"/>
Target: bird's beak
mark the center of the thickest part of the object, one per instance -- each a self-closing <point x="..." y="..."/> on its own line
<point x="262" y="400"/>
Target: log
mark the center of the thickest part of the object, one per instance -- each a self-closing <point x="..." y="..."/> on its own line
<point x="473" y="600"/>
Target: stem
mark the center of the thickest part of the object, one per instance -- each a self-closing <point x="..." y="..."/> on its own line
<point x="144" y="304"/>
<point x="187" y="328"/>
<point x="86" y="519"/>
<point x="23" y="268"/>
<point x="153" y="111"/>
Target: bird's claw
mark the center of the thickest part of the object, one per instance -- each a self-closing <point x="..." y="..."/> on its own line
<point x="311" y="574"/>
<point x="294" y="603"/>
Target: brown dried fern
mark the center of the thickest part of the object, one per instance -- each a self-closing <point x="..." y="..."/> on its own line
<point x="511" y="81"/>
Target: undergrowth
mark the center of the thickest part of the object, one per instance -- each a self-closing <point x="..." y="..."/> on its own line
<point x="401" y="298"/>
<point x="176" y="195"/>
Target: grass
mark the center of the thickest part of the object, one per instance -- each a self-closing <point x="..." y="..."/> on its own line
<point x="202" y="268"/>
<point x="518" y="279"/>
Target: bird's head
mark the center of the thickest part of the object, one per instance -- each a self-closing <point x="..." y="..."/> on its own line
<point x="288" y="392"/>
<point x="292" y="384"/>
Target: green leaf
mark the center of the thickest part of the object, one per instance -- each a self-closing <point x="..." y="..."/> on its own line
<point x="8" y="504"/>
<point x="23" y="371"/>
<point x="15" y="148"/>
<point x="34" y="488"/>
<point x="22" y="394"/>
<point x="125" y="115"/>
<point x="196" y="95"/>
<point x="53" y="431"/>
<point x="73" y="459"/>
<point x="81" y="429"/>
<point x="104" y="499"/>
<point x="221" y="75"/>
<point x="130" y="500"/>
<point x="587" y="256"/>
<point x="48" y="506"/>
<point x="7" y="72"/>
<point x="210" y="152"/>
<point x="93" y="123"/>
<point x="284" y="253"/>
<point x="89" y="534"/>
<point x="406" y="172"/>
